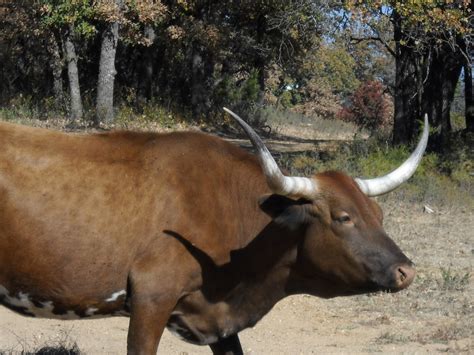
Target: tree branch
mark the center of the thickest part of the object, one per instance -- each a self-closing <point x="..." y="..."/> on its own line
<point x="357" y="40"/>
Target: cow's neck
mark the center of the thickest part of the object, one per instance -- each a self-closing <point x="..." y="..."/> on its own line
<point x="254" y="297"/>
<point x="261" y="272"/>
<point x="238" y="294"/>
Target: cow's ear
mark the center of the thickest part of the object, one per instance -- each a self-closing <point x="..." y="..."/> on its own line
<point x="284" y="210"/>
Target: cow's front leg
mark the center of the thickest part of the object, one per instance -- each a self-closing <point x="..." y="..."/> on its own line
<point x="227" y="346"/>
<point x="153" y="295"/>
<point x="148" y="318"/>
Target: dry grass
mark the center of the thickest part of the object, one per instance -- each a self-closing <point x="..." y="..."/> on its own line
<point x="292" y="124"/>
<point x="60" y="344"/>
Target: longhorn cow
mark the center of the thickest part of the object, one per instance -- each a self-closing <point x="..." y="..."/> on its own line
<point x="182" y="230"/>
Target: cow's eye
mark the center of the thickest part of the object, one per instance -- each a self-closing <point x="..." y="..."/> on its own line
<point x="345" y="218"/>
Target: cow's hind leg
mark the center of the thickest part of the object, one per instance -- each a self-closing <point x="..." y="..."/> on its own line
<point x="227" y="346"/>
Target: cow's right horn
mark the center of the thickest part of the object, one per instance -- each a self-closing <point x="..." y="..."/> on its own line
<point x="383" y="184"/>
<point x="278" y="183"/>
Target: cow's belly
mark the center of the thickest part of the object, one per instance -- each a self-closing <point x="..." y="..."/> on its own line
<point x="116" y="304"/>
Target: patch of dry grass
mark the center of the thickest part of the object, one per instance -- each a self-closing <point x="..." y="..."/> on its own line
<point x="292" y="124"/>
<point x="62" y="344"/>
<point x="391" y="338"/>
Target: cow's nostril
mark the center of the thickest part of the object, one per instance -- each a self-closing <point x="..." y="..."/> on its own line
<point x="404" y="276"/>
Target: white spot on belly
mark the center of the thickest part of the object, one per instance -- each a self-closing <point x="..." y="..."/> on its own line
<point x="22" y="300"/>
<point x="114" y="297"/>
<point x="90" y="311"/>
<point x="69" y="315"/>
<point x="3" y="291"/>
<point x="46" y="309"/>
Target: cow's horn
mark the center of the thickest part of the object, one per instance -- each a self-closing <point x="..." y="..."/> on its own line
<point x="278" y="183"/>
<point x="389" y="182"/>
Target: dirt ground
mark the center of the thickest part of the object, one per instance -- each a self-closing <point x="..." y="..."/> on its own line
<point x="435" y="315"/>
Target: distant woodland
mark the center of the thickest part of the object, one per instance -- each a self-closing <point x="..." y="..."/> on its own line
<point x="374" y="63"/>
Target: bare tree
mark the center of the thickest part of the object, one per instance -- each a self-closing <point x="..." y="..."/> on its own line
<point x="107" y="72"/>
<point x="73" y="75"/>
<point x="56" y="65"/>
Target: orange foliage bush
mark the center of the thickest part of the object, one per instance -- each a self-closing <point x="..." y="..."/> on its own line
<point x="369" y="107"/>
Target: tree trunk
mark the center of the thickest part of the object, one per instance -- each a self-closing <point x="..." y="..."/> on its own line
<point x="469" y="99"/>
<point x="260" y="59"/>
<point x="105" y="83"/>
<point x="445" y="68"/>
<point x="406" y="88"/>
<point x="56" y="65"/>
<point x="202" y="67"/>
<point x="425" y="83"/>
<point x="197" y="83"/>
<point x="73" y="75"/>
<point x="145" y="82"/>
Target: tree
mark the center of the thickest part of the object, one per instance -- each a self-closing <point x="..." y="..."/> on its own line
<point x="281" y="33"/>
<point x="325" y="79"/>
<point x="69" y="20"/>
<point x="137" y="21"/>
<point x="335" y="66"/>
<point x="84" y="19"/>
<point x="211" y="45"/>
<point x="56" y="65"/>
<point x="146" y="67"/>
<point x="468" y="94"/>
<point x="105" y="83"/>
<point x="73" y="74"/>
<point x="427" y="53"/>
<point x="443" y="75"/>
<point x="185" y="54"/>
<point x="369" y="107"/>
<point x="17" y="24"/>
<point x="371" y="59"/>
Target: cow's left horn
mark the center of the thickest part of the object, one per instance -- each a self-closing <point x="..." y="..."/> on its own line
<point x="278" y="183"/>
<point x="389" y="182"/>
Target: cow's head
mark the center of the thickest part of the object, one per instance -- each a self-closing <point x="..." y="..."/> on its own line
<point x="345" y="249"/>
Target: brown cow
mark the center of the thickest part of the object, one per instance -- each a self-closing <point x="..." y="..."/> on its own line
<point x="181" y="230"/>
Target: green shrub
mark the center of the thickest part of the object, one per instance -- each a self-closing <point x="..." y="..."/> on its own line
<point x="148" y="114"/>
